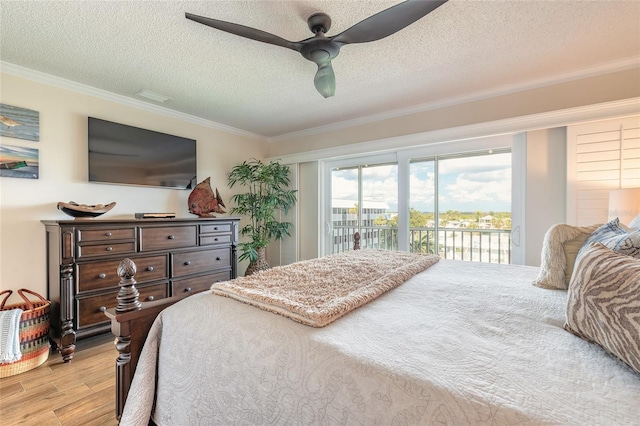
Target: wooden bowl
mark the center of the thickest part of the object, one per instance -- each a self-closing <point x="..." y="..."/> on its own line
<point x="84" y="211"/>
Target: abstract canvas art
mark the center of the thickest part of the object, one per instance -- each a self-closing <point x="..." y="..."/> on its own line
<point x="20" y="123"/>
<point x="19" y="162"/>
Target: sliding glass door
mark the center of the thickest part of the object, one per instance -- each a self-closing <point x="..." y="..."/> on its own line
<point x="457" y="206"/>
<point x="364" y="200"/>
<point x="422" y="206"/>
<point x="345" y="207"/>
<point x="460" y="206"/>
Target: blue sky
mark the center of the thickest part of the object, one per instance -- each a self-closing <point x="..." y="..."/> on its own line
<point x="479" y="183"/>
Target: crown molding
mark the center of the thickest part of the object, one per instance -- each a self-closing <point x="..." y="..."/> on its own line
<point x="51" y="80"/>
<point x="602" y="69"/>
<point x="40" y="77"/>
<point x="546" y="120"/>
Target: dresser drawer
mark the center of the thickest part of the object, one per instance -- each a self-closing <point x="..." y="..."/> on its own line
<point x="215" y="228"/>
<point x="193" y="262"/>
<point x="168" y="237"/>
<point x="91" y="309"/>
<point x="99" y="275"/>
<point x="206" y="240"/>
<point x="106" y="234"/>
<point x="197" y="284"/>
<point x="106" y="249"/>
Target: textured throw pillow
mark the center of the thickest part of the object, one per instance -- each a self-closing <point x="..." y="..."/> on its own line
<point x="559" y="250"/>
<point x="615" y="237"/>
<point x="571" y="249"/>
<point x="603" y="302"/>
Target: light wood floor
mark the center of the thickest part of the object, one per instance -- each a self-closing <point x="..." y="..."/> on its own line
<point x="81" y="392"/>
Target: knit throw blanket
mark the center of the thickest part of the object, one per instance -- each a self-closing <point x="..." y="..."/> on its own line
<point x="10" y="336"/>
<point x="317" y="292"/>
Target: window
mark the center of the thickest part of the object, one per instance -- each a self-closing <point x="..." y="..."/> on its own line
<point x="344" y="207"/>
<point x="365" y="200"/>
<point x="458" y="206"/>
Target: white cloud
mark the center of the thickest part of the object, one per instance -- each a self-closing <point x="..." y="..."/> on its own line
<point x="489" y="190"/>
<point x="469" y="184"/>
<point x="344" y="188"/>
<point x="421" y="190"/>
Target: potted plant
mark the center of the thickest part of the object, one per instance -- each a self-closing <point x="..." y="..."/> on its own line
<point x="268" y="195"/>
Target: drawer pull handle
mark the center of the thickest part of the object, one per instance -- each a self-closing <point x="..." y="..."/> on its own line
<point x="107" y="234"/>
<point x="109" y="248"/>
<point x="215" y="239"/>
<point x="103" y="308"/>
<point x="171" y="237"/>
<point x="150" y="268"/>
<point x="150" y="298"/>
<point x="102" y="276"/>
<point x="215" y="228"/>
<point x="188" y="262"/>
<point x="188" y="289"/>
<point x="218" y="258"/>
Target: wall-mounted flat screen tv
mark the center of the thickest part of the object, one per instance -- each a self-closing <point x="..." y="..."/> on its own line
<point x="127" y="155"/>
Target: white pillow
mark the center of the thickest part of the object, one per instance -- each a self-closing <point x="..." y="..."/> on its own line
<point x="559" y="250"/>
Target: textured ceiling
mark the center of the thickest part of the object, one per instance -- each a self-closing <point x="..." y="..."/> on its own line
<point x="463" y="49"/>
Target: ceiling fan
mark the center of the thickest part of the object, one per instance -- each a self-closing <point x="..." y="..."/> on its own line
<point x="321" y="49"/>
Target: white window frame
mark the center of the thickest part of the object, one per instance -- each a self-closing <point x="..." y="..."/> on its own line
<point x="403" y="157"/>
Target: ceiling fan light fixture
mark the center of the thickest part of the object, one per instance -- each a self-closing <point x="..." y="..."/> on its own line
<point x="153" y="96"/>
<point x="321" y="49"/>
<point x="327" y="91"/>
<point x="325" y="80"/>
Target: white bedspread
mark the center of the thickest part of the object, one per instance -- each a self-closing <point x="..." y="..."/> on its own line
<point x="461" y="343"/>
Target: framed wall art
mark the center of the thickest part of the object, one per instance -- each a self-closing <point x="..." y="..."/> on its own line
<point x="20" y="123"/>
<point x="19" y="162"/>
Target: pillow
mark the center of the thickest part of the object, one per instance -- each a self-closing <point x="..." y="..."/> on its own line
<point x="559" y="250"/>
<point x="571" y="249"/>
<point x="603" y="302"/>
<point x="635" y="223"/>
<point x="615" y="237"/>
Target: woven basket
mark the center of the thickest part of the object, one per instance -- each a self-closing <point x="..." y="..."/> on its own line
<point x="34" y="332"/>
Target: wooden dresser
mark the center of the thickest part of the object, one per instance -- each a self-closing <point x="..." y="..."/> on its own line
<point x="173" y="257"/>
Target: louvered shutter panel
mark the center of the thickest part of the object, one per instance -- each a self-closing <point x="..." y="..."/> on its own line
<point x="602" y="156"/>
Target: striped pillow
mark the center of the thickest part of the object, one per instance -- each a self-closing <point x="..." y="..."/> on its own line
<point x="603" y="302"/>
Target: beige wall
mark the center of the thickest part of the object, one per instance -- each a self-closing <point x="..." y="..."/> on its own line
<point x="589" y="91"/>
<point x="63" y="158"/>
<point x="308" y="209"/>
<point x="63" y="172"/>
<point x="545" y="188"/>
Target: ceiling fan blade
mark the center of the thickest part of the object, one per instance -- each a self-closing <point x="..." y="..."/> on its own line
<point x="246" y="32"/>
<point x="387" y="22"/>
<point x="325" y="80"/>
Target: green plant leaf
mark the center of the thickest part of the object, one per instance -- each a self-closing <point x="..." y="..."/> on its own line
<point x="267" y="196"/>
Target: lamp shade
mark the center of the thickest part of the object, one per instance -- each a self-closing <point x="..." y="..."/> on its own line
<point x="624" y="204"/>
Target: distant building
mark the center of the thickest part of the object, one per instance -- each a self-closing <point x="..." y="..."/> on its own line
<point x="344" y="214"/>
<point x="486" y="222"/>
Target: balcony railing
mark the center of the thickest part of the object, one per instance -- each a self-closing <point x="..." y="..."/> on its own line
<point x="476" y="245"/>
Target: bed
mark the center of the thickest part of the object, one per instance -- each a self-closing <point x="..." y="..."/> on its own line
<point x="458" y="343"/>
